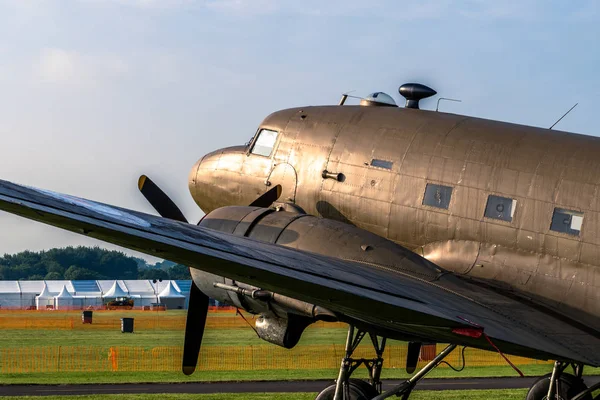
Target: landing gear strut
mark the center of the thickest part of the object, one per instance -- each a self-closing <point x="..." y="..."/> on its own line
<point x="353" y="389"/>
<point x="406" y="387"/>
<point x="562" y="386"/>
<point x="349" y="364"/>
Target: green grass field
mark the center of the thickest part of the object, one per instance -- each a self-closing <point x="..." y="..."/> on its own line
<point x="153" y="338"/>
<point x="215" y="337"/>
<point x="150" y="338"/>
<point x="258" y="375"/>
<point x="417" y="395"/>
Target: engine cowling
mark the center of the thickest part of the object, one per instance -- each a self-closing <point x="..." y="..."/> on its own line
<point x="283" y="319"/>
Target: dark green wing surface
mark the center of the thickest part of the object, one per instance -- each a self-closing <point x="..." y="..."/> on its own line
<point x="386" y="300"/>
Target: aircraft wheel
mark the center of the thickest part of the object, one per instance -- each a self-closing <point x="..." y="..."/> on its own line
<point x="569" y="386"/>
<point x="359" y="390"/>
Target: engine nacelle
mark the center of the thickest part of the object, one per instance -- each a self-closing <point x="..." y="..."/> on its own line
<point x="288" y="226"/>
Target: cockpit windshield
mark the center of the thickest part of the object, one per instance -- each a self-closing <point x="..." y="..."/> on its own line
<point x="265" y="141"/>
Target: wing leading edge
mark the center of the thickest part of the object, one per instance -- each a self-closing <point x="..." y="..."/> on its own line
<point x="384" y="299"/>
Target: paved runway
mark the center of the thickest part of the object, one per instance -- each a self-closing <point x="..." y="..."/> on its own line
<point x="257" y="387"/>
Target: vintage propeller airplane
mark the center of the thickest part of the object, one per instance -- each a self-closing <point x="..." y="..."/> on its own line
<point x="406" y="224"/>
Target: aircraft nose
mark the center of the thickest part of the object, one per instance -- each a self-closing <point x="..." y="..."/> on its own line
<point x="192" y="178"/>
<point x="199" y="178"/>
<point x="215" y="179"/>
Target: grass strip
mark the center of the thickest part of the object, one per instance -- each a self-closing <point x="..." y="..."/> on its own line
<point x="507" y="394"/>
<point x="256" y="375"/>
<point x="14" y="338"/>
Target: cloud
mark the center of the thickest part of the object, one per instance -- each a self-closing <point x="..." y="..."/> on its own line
<point x="146" y="4"/>
<point x="58" y="66"/>
<point x="506" y="9"/>
<point x="587" y="11"/>
<point x="67" y="67"/>
<point x="487" y="10"/>
<point x="244" y="7"/>
<point x="389" y="9"/>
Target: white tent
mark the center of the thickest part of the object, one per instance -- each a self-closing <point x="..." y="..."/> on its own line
<point x="64" y="300"/>
<point x="44" y="300"/>
<point x="90" y="293"/>
<point x="30" y="290"/>
<point x="141" y="291"/>
<point x="115" y="292"/>
<point x="10" y="294"/>
<point x="171" y="297"/>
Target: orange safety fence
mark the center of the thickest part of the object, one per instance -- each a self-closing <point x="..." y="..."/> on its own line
<point x="103" y="307"/>
<point x="214" y="358"/>
<point x="112" y="320"/>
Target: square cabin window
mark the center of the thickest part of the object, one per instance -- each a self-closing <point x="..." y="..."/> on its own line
<point x="437" y="196"/>
<point x="382" y="163"/>
<point x="502" y="208"/>
<point x="263" y="146"/>
<point x="567" y="221"/>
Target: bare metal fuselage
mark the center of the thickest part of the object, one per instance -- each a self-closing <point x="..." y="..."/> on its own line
<point x="540" y="169"/>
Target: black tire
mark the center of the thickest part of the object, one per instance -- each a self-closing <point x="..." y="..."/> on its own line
<point x="570" y="386"/>
<point x="367" y="389"/>
<point x="359" y="390"/>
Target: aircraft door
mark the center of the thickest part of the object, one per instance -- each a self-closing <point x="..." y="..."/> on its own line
<point x="302" y="153"/>
<point x="283" y="173"/>
<point x="343" y="178"/>
<point x="358" y="184"/>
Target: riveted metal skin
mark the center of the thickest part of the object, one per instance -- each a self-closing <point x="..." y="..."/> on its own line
<point x="539" y="168"/>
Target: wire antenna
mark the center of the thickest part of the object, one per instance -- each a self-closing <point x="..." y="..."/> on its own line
<point x="564" y="115"/>
<point x="345" y="97"/>
<point x="447" y="99"/>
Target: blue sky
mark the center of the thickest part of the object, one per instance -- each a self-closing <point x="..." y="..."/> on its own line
<point x="95" y="92"/>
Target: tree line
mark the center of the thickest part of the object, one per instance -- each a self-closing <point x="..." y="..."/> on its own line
<point x="83" y="263"/>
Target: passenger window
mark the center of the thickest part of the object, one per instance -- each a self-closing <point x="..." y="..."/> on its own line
<point x="567" y="221"/>
<point x="381" y="163"/>
<point x="437" y="196"/>
<point x="263" y="146"/>
<point x="502" y="208"/>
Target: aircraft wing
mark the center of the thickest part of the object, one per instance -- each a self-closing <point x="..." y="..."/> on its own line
<point x="441" y="310"/>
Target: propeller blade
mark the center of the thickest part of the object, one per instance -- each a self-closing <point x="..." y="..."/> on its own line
<point x="198" y="302"/>
<point x="159" y="200"/>
<point x="412" y="356"/>
<point x="194" y="329"/>
<point x="267" y="198"/>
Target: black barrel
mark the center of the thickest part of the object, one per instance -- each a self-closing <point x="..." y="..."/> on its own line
<point x="86" y="317"/>
<point x="126" y="325"/>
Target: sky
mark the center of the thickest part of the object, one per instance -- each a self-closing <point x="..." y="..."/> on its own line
<point x="94" y="93"/>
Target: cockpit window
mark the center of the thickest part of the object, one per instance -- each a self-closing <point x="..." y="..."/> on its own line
<point x="263" y="146"/>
